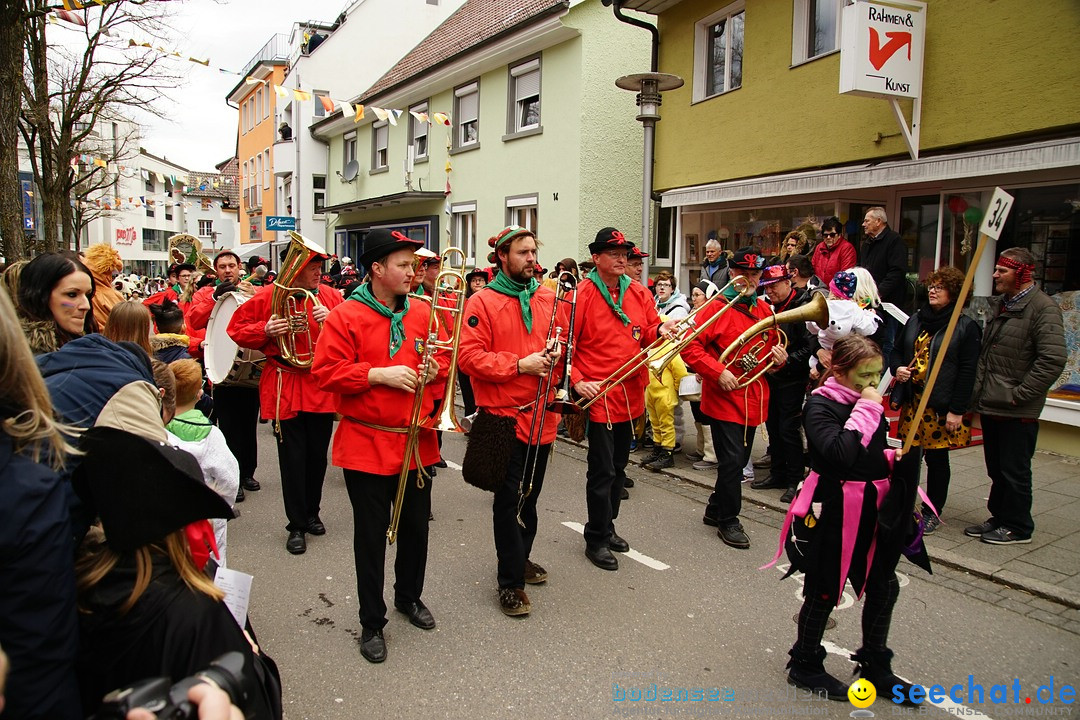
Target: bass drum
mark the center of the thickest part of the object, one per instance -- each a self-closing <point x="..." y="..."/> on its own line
<point x="226" y="362"/>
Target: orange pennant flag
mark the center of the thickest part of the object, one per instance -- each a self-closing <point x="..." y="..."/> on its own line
<point x="327" y="103"/>
<point x="359" y="114"/>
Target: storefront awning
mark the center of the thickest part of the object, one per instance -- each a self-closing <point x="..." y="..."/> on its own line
<point x="401" y="198"/>
<point x="251" y="249"/>
<point x="1044" y="155"/>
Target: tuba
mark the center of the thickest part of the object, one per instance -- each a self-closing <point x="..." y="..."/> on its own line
<point x="754" y="361"/>
<point x="291" y="302"/>
<point x="185" y="248"/>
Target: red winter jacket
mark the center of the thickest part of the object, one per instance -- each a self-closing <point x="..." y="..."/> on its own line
<point x="354" y="340"/>
<point x="299" y="391"/>
<point x="828" y="262"/>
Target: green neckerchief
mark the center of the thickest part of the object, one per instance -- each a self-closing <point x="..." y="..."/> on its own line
<point x="364" y="295"/>
<point x="616" y="306"/>
<point x="504" y="284"/>
<point x="730" y="293"/>
<point x="177" y="289"/>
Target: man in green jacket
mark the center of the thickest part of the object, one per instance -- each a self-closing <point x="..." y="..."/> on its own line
<point x="1023" y="354"/>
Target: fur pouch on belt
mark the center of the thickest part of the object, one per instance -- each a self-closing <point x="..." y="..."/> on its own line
<point x="487" y="456"/>
<point x="575" y="425"/>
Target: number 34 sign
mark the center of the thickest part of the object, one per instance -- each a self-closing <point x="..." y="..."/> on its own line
<point x="996" y="214"/>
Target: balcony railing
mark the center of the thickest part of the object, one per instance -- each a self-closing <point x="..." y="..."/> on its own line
<point x="276" y="48"/>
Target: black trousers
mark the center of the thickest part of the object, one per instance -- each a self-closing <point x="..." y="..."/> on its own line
<point x="1008" y="446"/>
<point x="304" y="441"/>
<point x="467" y="397"/>
<point x="236" y="412"/>
<point x="785" y="442"/>
<point x="732" y="444"/>
<point x="513" y="543"/>
<point x="371" y="497"/>
<point x="938" y="474"/>
<point x="609" y="451"/>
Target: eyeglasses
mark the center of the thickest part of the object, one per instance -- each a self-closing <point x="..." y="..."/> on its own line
<point x="830" y="234"/>
<point x="935" y="288"/>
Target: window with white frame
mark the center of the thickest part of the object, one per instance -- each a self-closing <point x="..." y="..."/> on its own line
<point x="524" y="97"/>
<point x="815" y="29"/>
<point x="266" y="103"/>
<point x="318" y="191"/>
<point x="467" y="115"/>
<point x="465" y="230"/>
<point x="718" y="51"/>
<point x="258" y="105"/>
<point x="380" y="142"/>
<point x="418" y="131"/>
<point x="521" y="210"/>
<point x="206" y="228"/>
<point x="320" y="111"/>
<point x="348" y="149"/>
<point x="266" y="168"/>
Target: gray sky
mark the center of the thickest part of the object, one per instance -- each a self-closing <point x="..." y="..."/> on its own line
<point x="201" y="130"/>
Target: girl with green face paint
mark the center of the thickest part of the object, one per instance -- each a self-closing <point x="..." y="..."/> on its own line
<point x="867" y="374"/>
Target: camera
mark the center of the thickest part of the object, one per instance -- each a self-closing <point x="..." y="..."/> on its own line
<point x="171" y="702"/>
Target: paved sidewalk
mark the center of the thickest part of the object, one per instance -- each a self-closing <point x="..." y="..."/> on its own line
<point x="1049" y="567"/>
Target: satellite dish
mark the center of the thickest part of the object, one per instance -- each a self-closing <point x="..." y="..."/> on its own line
<point x="352" y="169"/>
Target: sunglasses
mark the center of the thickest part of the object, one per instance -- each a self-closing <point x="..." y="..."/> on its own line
<point x="830" y="234"/>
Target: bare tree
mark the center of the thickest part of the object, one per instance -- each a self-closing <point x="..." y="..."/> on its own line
<point x="11" y="80"/>
<point x="70" y="89"/>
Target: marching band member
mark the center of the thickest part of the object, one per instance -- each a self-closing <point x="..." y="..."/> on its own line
<point x="737" y="411"/>
<point x="369" y="356"/>
<point x="505" y="351"/>
<point x="288" y="393"/>
<point x="236" y="408"/>
<point x="615" y="318"/>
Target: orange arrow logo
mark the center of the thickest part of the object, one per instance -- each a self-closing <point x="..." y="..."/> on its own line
<point x="880" y="54"/>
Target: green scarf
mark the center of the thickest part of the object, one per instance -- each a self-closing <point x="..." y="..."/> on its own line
<point x="730" y="293"/>
<point x="616" y="306"/>
<point x="364" y="295"/>
<point x="504" y="284"/>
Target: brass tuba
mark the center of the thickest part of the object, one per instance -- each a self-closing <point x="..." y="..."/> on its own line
<point x="755" y="362"/>
<point x="291" y="302"/>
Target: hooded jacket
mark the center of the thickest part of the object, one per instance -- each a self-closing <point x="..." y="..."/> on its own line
<point x="102" y="260"/>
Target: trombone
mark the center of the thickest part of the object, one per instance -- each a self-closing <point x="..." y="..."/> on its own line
<point x="448" y="299"/>
<point x="658" y="354"/>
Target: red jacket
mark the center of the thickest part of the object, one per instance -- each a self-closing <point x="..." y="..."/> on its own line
<point x="493" y="339"/>
<point x="354" y="340"/>
<point x="828" y="262"/>
<point x="198" y="312"/>
<point x="299" y="391"/>
<point x="748" y="406"/>
<point x="602" y="344"/>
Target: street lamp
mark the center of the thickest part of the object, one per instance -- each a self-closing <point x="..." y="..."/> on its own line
<point x="648" y="87"/>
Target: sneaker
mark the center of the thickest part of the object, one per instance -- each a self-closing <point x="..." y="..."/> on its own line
<point x="695" y="455"/>
<point x="763" y="462"/>
<point x="788" y="496"/>
<point x="977" y="531"/>
<point x="663" y="460"/>
<point x="514" y="602"/>
<point x="534" y="574"/>
<point x="931" y="522"/>
<point x="705" y="465"/>
<point x="652" y="456"/>
<point x="747" y="476"/>
<point x="734" y="535"/>
<point x="633" y="446"/>
<point x="1004" y="536"/>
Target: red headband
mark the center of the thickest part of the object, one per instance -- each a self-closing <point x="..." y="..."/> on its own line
<point x="1023" y="270"/>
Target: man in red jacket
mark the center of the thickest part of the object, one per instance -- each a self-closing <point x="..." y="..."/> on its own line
<point x="615" y="318"/>
<point x="505" y="352"/>
<point x="303" y="414"/>
<point x="369" y="356"/>
<point x="736" y="411"/>
<point x="834" y="253"/>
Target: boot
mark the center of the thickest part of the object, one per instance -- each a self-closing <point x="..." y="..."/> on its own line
<point x="808" y="672"/>
<point x="652" y="456"/>
<point x="662" y="460"/>
<point x="876" y="666"/>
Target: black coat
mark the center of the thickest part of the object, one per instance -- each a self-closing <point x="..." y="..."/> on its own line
<point x="952" y="389"/>
<point x="38" y="624"/>
<point x="886" y="259"/>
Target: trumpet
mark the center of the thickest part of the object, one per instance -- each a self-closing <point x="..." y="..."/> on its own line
<point x="448" y="299"/>
<point x="659" y="353"/>
<point x="755" y="361"/>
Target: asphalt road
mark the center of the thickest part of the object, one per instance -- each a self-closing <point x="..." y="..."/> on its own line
<point x="687" y="613"/>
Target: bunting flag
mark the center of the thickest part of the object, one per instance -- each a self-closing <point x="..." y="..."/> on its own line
<point x="301" y="95"/>
<point x="359" y="114"/>
<point x="442" y="118"/>
<point x="281" y="92"/>
<point x="420" y="116"/>
<point x="346" y="108"/>
<point x="327" y="103"/>
<point x="249" y="80"/>
<point x="70" y="17"/>
<point x="73" y="5"/>
<point x="380" y="113"/>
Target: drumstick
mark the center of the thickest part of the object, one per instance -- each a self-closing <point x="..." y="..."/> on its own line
<point x="260" y="272"/>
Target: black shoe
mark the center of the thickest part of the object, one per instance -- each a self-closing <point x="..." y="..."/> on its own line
<point x="372" y="646"/>
<point x="663" y="460"/>
<point x="809" y="673"/>
<point x="624" y="495"/>
<point x="315" y="526"/>
<point x="296" y="544"/>
<point x="647" y="442"/>
<point x="767" y="483"/>
<point x="617" y="544"/>
<point x="977" y="531"/>
<point x="876" y="666"/>
<point x="602" y="558"/>
<point x="763" y="462"/>
<point x="628" y="483"/>
<point x="788" y="496"/>
<point x="418" y="614"/>
<point x="239" y="494"/>
<point x="250" y="484"/>
<point x="1005" y="536"/>
<point x="651" y="457"/>
<point x="734" y="535"/>
<point x="710" y="520"/>
<point x="441" y="464"/>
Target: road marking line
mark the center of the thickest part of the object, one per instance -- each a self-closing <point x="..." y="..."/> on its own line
<point x="632" y="554"/>
<point x="452" y="464"/>
<point x="948" y="705"/>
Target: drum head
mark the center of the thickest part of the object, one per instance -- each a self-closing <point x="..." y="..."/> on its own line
<point x="220" y="351"/>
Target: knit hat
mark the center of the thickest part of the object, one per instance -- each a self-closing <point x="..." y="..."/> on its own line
<point x="843" y="284"/>
<point x="708" y="287"/>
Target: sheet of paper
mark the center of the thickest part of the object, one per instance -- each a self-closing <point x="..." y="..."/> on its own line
<point x="237" y="588"/>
